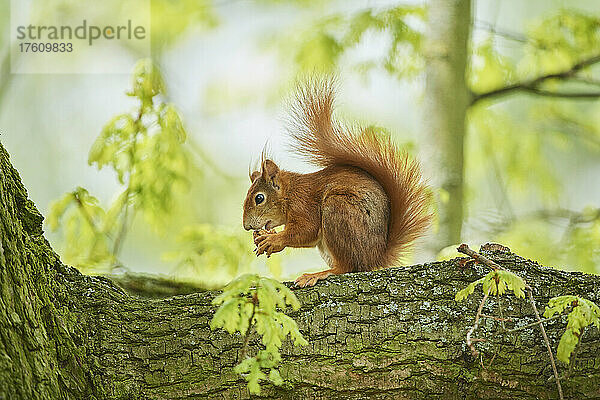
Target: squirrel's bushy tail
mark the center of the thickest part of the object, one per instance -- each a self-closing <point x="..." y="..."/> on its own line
<point x="325" y="142"/>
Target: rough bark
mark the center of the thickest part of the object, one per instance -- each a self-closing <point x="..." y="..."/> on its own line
<point x="445" y="109"/>
<point x="153" y="287"/>
<point x="395" y="333"/>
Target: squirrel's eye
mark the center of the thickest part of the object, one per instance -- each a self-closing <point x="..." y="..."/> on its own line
<point x="259" y="198"/>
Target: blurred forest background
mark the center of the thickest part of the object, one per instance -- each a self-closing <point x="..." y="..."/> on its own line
<point x="147" y="172"/>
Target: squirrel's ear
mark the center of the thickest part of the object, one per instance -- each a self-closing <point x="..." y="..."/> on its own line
<point x="270" y="172"/>
<point x="254" y="175"/>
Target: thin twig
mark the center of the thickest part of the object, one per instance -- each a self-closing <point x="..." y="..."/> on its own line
<point x="574" y="216"/>
<point x="476" y="323"/>
<point x="532" y="84"/>
<point x="123" y="230"/>
<point x="564" y="95"/>
<point x="85" y="213"/>
<point x="491" y="28"/>
<point x="505" y="200"/>
<point x="537" y="315"/>
<point x="247" y="334"/>
<point x="208" y="160"/>
<point x="515" y="329"/>
<point x="568" y="126"/>
<point x="500" y="319"/>
<point x="465" y="249"/>
<point x="125" y="221"/>
<point x="492" y="360"/>
<point x="588" y="81"/>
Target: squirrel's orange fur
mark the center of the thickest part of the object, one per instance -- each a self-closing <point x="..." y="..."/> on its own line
<point x="362" y="210"/>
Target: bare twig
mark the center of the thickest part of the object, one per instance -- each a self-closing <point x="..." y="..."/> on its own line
<point x="123" y="230"/>
<point x="492" y="360"/>
<point x="500" y="319"/>
<point x="569" y="126"/>
<point x="532" y="84"/>
<point x="124" y="224"/>
<point x="505" y="199"/>
<point x="491" y="28"/>
<point x="515" y="329"/>
<point x="537" y="316"/>
<point x="465" y="249"/>
<point x="85" y="213"/>
<point x="574" y="216"/>
<point x="588" y="81"/>
<point x="565" y="95"/>
<point x="476" y="323"/>
<point x="205" y="158"/>
<point x="247" y="334"/>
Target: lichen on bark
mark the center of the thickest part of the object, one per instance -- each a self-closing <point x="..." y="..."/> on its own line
<point x="395" y="333"/>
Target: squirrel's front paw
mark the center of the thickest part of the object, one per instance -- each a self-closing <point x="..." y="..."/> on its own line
<point x="268" y="243"/>
<point x="260" y="232"/>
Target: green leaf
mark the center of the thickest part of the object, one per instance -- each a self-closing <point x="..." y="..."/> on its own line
<point x="57" y="210"/>
<point x="116" y="208"/>
<point x="170" y="122"/>
<point x="489" y="283"/>
<point x="275" y="377"/>
<point x="496" y="283"/>
<point x="266" y="297"/>
<point x="244" y="320"/>
<point x="240" y="286"/>
<point x="567" y="344"/>
<point x="254" y="377"/>
<point x="583" y="313"/>
<point x="464" y="293"/>
<point x="114" y="143"/>
<point x="245" y="365"/>
<point x="147" y="82"/>
<point x="319" y="52"/>
<point x="513" y="282"/>
<point x="227" y="316"/>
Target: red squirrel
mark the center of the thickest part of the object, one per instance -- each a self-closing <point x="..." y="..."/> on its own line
<point x="362" y="210"/>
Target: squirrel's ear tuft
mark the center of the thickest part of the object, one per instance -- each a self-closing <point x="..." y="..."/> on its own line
<point x="254" y="175"/>
<point x="270" y="172"/>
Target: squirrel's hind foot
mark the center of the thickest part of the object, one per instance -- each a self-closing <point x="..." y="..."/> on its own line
<point x="308" y="280"/>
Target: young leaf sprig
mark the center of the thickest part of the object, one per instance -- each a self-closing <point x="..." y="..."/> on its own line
<point x="252" y="302"/>
<point x="145" y="148"/>
<point x="496" y="282"/>
<point x="583" y="313"/>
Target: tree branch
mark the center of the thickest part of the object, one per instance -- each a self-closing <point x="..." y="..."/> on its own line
<point x="532" y="84"/>
<point x="491" y="28"/>
<point x="391" y="333"/>
<point x="568" y="95"/>
<point x="463" y="248"/>
<point x="574" y="216"/>
<point x="546" y="341"/>
<point x="125" y="221"/>
<point x="586" y="80"/>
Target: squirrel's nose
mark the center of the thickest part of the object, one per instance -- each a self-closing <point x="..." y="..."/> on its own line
<point x="247" y="226"/>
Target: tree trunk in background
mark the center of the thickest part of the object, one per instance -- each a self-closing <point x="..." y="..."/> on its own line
<point x="395" y="333"/>
<point x="445" y="108"/>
